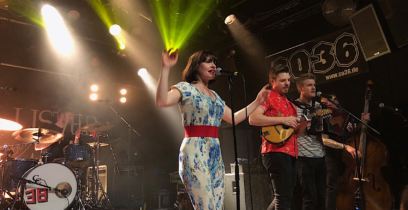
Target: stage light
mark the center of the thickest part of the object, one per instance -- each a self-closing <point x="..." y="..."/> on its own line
<point x="142" y="73"/>
<point x="94" y="88"/>
<point x="148" y="80"/>
<point x="115" y="30"/>
<point x="8" y="125"/>
<point x="177" y="20"/>
<point x="121" y="42"/>
<point x="230" y="19"/>
<point x="93" y="96"/>
<point x="58" y="33"/>
<point x="123" y="91"/>
<point x="108" y="19"/>
<point x="170" y="113"/>
<point x="122" y="100"/>
<point x="247" y="42"/>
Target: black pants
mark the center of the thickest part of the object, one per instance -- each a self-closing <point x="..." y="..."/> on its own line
<point x="312" y="179"/>
<point x="334" y="168"/>
<point x="282" y="172"/>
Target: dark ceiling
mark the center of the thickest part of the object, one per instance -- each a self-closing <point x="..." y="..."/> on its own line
<point x="261" y="17"/>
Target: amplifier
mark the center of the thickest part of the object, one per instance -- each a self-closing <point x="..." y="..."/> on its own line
<point x="103" y="179"/>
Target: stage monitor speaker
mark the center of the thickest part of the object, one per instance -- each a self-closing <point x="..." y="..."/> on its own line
<point x="396" y="14"/>
<point x="103" y="179"/>
<point x="126" y="187"/>
<point x="230" y="192"/>
<point x="370" y="35"/>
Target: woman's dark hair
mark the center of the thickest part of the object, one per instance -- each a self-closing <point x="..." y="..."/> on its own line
<point x="191" y="71"/>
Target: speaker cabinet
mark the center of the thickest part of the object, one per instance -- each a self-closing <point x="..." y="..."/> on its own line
<point x="396" y="14"/>
<point x="103" y="179"/>
<point x="369" y="33"/>
<point x="230" y="202"/>
<point x="126" y="189"/>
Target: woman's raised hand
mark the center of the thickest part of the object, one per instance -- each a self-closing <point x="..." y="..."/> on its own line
<point x="263" y="94"/>
<point x="169" y="58"/>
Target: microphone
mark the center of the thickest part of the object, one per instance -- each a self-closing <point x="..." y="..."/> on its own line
<point x="63" y="190"/>
<point x="319" y="95"/>
<point x="390" y="108"/>
<point x="220" y="72"/>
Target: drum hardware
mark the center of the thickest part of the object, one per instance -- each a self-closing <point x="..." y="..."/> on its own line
<point x="96" y="185"/>
<point x="97" y="127"/>
<point x="89" y="133"/>
<point x="20" y="178"/>
<point x="40" y="146"/>
<point x="78" y="155"/>
<point x="6" y="153"/>
<point x="93" y="144"/>
<point x="37" y="135"/>
<point x="49" y="186"/>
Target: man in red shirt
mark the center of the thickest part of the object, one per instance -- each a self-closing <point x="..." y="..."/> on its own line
<point x="278" y="159"/>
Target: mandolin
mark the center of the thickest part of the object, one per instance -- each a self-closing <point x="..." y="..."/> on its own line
<point x="277" y="134"/>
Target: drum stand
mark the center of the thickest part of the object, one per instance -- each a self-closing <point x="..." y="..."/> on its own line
<point x="96" y="186"/>
<point x="19" y="197"/>
<point x="3" y="192"/>
<point x="79" y="205"/>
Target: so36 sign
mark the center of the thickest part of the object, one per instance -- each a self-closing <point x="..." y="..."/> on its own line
<point x="322" y="58"/>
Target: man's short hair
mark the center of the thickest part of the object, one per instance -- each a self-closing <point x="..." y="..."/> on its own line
<point x="302" y="78"/>
<point x="277" y="69"/>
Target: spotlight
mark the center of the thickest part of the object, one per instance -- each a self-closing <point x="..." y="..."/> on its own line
<point x="123" y="91"/>
<point x="8" y="125"/>
<point x="230" y="19"/>
<point x="122" y="99"/>
<point x="115" y="30"/>
<point x="142" y="72"/>
<point x="94" y="88"/>
<point x="122" y="45"/>
<point x="93" y="96"/>
<point x="58" y="34"/>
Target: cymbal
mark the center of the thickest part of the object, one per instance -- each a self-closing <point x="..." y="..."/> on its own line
<point x="93" y="144"/>
<point x="41" y="146"/>
<point x="98" y="127"/>
<point x="30" y="135"/>
<point x="6" y="138"/>
<point x="8" y="125"/>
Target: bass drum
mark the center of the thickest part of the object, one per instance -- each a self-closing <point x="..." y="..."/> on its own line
<point x="61" y="191"/>
<point x="12" y="170"/>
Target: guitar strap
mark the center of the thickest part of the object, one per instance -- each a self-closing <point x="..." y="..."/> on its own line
<point x="304" y="107"/>
<point x="300" y="104"/>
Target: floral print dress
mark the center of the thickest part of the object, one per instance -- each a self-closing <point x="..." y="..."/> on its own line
<point x="201" y="167"/>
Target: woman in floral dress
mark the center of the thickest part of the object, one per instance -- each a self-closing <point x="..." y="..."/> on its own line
<point x="200" y="162"/>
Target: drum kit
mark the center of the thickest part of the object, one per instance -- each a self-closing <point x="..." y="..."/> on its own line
<point x="69" y="182"/>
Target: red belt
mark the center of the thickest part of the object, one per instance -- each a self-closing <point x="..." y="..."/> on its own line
<point x="201" y="131"/>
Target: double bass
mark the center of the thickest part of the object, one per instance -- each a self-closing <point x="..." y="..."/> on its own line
<point x="362" y="185"/>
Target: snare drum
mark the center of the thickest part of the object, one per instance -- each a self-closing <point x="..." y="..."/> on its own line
<point x="61" y="181"/>
<point x="78" y="155"/>
<point x="12" y="171"/>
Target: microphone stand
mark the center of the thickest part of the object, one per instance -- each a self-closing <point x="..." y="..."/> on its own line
<point x="128" y="125"/>
<point x="237" y="188"/>
<point x="354" y="117"/>
<point x="359" y="194"/>
<point x="130" y="130"/>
